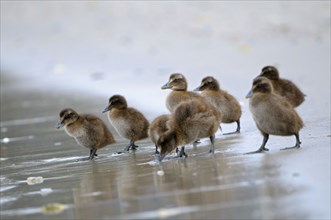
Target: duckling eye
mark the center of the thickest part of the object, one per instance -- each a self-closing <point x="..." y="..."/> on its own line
<point x="67" y="117"/>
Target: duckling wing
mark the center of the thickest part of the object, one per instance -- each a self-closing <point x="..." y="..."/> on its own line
<point x="289" y="90"/>
<point x="197" y="119"/>
<point x="99" y="129"/>
<point x="137" y="122"/>
<point x="277" y="117"/>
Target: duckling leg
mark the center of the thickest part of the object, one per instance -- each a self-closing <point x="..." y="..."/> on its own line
<point x="237" y="131"/>
<point x="160" y="158"/>
<point x="156" y="151"/>
<point x="131" y="145"/>
<point x="297" y="144"/>
<point x="212" y="144"/>
<point x="262" y="148"/>
<point x="182" y="152"/>
<point x="238" y="126"/>
<point x="92" y="153"/>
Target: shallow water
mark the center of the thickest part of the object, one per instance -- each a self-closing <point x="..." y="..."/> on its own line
<point x="135" y="185"/>
<point x="76" y="54"/>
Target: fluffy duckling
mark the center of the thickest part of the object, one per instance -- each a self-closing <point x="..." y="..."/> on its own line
<point x="272" y="113"/>
<point x="89" y="131"/>
<point x="178" y="84"/>
<point x="157" y="128"/>
<point x="129" y="122"/>
<point x="223" y="101"/>
<point x="283" y="87"/>
<point x="190" y="120"/>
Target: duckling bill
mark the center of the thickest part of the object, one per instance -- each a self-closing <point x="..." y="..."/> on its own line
<point x="129" y="122"/>
<point x="88" y="130"/>
<point x="273" y="114"/>
<point x="178" y="84"/>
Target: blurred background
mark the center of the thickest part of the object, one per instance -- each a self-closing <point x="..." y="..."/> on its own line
<point x="130" y="48"/>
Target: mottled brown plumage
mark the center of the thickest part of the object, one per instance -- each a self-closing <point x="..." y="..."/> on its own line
<point x="129" y="122"/>
<point x="273" y="114"/>
<point x="222" y="100"/>
<point x="283" y="87"/>
<point x="190" y="120"/>
<point x="157" y="128"/>
<point x="89" y="131"/>
<point x="178" y="84"/>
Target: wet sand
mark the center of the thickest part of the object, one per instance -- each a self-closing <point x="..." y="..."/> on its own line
<point x="275" y="185"/>
<point x="78" y="53"/>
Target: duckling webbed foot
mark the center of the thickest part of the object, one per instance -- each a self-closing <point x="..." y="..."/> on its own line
<point x="288" y="148"/>
<point x="297" y="145"/>
<point x="132" y="146"/>
<point x="92" y="154"/>
<point x="262" y="148"/>
<point x="197" y="141"/>
<point x="234" y="132"/>
<point x="258" y="151"/>
<point x="181" y="153"/>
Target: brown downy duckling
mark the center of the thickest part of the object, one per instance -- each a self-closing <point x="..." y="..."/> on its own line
<point x="157" y="128"/>
<point x="190" y="120"/>
<point x="273" y="114"/>
<point x="88" y="130"/>
<point x="222" y="100"/>
<point x="283" y="87"/>
<point x="129" y="122"/>
<point x="178" y="84"/>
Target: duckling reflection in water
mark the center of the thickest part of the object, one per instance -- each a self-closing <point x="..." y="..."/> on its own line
<point x="157" y="128"/>
<point x="283" y="87"/>
<point x="129" y="122"/>
<point x="272" y="113"/>
<point x="89" y="131"/>
<point x="223" y="101"/>
<point x="178" y="84"/>
<point x="190" y="120"/>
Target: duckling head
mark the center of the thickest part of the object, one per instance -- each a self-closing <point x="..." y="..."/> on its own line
<point x="261" y="85"/>
<point x="270" y="72"/>
<point x="116" y="101"/>
<point x="67" y="117"/>
<point x="177" y="82"/>
<point x="167" y="142"/>
<point x="208" y="83"/>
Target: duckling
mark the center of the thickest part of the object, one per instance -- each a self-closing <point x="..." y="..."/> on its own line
<point x="283" y="87"/>
<point x="157" y="128"/>
<point x="189" y="121"/>
<point x="129" y="122"/>
<point x="273" y="114"/>
<point x="178" y="84"/>
<point x="222" y="100"/>
<point x="88" y="130"/>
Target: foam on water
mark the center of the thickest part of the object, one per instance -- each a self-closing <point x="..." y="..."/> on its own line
<point x="63" y="159"/>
